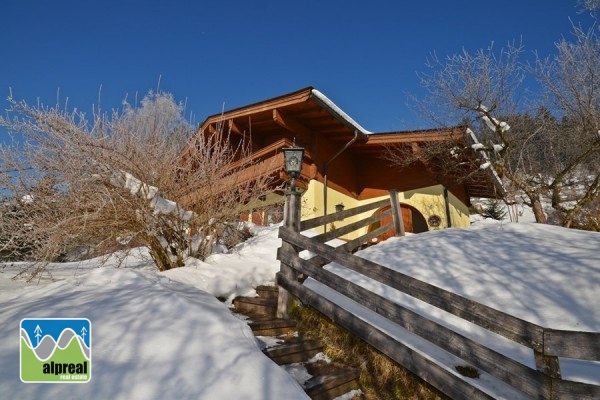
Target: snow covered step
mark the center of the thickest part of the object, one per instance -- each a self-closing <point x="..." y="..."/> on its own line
<point x="255" y="305"/>
<point x="268" y="292"/>
<point x="293" y="352"/>
<point x="272" y="327"/>
<point x="330" y="380"/>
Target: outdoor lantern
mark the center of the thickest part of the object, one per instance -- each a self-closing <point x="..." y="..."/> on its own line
<point x="293" y="161"/>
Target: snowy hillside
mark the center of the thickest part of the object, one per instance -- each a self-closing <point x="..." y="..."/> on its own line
<point x="165" y="335"/>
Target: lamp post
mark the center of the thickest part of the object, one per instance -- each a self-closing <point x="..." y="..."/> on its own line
<point x="292" y="157"/>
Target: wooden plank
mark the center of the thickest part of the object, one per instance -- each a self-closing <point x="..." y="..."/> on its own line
<point x="422" y="366"/>
<point x="511" y="327"/>
<point x="580" y="345"/>
<point x="508" y="370"/>
<point x="568" y="390"/>
<point x="320" y="221"/>
<point x="287" y="348"/>
<point x="348" y="247"/>
<point x="332" y="385"/>
<point x="290" y="99"/>
<point x="314" y="222"/>
<point x="237" y="128"/>
<point x="353" y="244"/>
<point x="325" y="237"/>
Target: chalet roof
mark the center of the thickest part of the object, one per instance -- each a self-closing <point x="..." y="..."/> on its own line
<point x="307" y="117"/>
<point x="302" y="112"/>
<point x="308" y="108"/>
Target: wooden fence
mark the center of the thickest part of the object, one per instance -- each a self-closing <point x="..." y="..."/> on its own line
<point x="547" y="345"/>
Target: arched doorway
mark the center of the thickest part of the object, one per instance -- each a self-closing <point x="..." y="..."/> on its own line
<point x="411" y="217"/>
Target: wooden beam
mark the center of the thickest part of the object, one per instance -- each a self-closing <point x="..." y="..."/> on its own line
<point x="416" y="149"/>
<point x="282" y="101"/>
<point x="396" y="213"/>
<point x="235" y="128"/>
<point x="318" y="221"/>
<point x="241" y="130"/>
<point x="431" y="135"/>
<point x="299" y="130"/>
<point x="579" y="345"/>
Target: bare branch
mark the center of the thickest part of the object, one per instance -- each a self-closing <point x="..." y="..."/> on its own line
<point x="119" y="178"/>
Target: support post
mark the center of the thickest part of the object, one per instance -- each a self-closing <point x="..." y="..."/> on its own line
<point x="447" y="208"/>
<point x="548" y="365"/>
<point x="396" y="213"/>
<point x="292" y="221"/>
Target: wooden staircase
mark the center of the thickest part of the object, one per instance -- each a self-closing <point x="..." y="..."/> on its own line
<point x="328" y="380"/>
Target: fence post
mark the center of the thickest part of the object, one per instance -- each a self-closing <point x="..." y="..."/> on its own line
<point x="291" y="220"/>
<point x="396" y="213"/>
<point x="547" y="365"/>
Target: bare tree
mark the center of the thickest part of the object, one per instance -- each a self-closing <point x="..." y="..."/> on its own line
<point x="118" y="178"/>
<point x="591" y="6"/>
<point x="572" y="83"/>
<point x="449" y="158"/>
<point x="551" y="152"/>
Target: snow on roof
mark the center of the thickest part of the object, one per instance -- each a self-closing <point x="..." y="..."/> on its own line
<point x="340" y="112"/>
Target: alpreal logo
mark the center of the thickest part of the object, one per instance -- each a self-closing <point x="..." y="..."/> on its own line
<point x="56" y="350"/>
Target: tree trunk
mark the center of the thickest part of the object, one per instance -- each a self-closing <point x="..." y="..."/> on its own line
<point x="538" y="211"/>
<point x="160" y="255"/>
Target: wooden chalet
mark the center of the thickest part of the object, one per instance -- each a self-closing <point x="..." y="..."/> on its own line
<point x="343" y="162"/>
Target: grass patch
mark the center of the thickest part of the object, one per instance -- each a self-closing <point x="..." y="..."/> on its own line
<point x="380" y="377"/>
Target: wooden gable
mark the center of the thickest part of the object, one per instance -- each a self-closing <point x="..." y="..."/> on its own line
<point x="336" y="147"/>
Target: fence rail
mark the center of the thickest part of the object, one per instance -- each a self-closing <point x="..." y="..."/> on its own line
<point x="547" y="345"/>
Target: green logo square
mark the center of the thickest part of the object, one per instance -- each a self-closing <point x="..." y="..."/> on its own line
<point x="56" y="350"/>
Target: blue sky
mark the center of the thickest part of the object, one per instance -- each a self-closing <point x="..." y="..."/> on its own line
<point x="363" y="55"/>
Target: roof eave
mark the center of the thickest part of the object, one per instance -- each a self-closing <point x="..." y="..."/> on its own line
<point x="290" y="98"/>
<point x="338" y="113"/>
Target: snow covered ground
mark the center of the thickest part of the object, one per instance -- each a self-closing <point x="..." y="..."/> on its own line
<point x="154" y="335"/>
<point x="544" y="274"/>
<point x="165" y="335"/>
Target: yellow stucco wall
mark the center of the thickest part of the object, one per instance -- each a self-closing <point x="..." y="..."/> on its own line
<point x="429" y="201"/>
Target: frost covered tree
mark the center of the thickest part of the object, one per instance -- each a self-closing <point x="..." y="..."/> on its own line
<point x="545" y="143"/>
<point x="117" y="177"/>
<point x="591" y="6"/>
